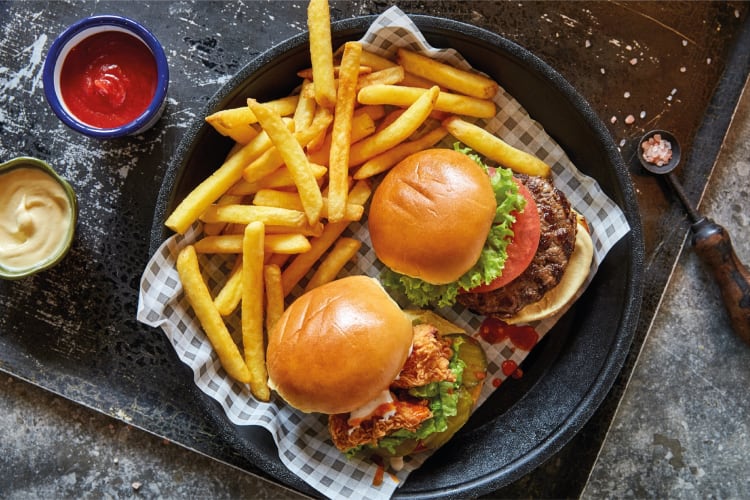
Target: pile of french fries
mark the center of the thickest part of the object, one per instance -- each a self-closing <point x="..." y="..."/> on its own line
<point x="300" y="172"/>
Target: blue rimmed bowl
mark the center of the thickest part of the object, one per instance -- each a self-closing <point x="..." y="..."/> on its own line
<point x="72" y="37"/>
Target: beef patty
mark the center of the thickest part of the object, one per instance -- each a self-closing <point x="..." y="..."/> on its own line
<point x="556" y="244"/>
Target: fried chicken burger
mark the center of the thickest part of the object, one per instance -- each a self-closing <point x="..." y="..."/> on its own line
<point x="449" y="229"/>
<point x="393" y="382"/>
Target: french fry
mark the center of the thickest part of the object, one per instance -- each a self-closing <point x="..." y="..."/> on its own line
<point x="388" y="159"/>
<point x="290" y="243"/>
<point x="321" y="52"/>
<point x="276" y="198"/>
<point x="396" y="132"/>
<point x="271" y="159"/>
<point x="214" y="228"/>
<point x="280" y="178"/>
<point x="375" y="61"/>
<point x="360" y="192"/>
<point x="235" y="147"/>
<point x="389" y="118"/>
<point x="240" y="134"/>
<point x="252" y="310"/>
<point x="399" y="95"/>
<point x="274" y="295"/>
<point x="387" y="76"/>
<point x="328" y="269"/>
<point x="286" y="244"/>
<point x="445" y="75"/>
<point x="303" y="262"/>
<point x="226" y="243"/>
<point x="338" y="165"/>
<point x="496" y="149"/>
<point x="321" y="120"/>
<point x="230" y="295"/>
<point x="289" y="200"/>
<point x="237" y="122"/>
<point x="216" y="330"/>
<point x="264" y="165"/>
<point x="305" y="230"/>
<point x="208" y="191"/>
<point x="313" y="137"/>
<point x="294" y="158"/>
<point x="376" y="111"/>
<point x="307" y="73"/>
<point x="412" y="80"/>
<point x="245" y="214"/>
<point x="303" y="114"/>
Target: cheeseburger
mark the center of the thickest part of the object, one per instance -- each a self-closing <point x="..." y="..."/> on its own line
<point x="449" y="229"/>
<point x="392" y="382"/>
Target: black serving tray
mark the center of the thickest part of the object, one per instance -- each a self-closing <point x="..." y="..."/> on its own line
<point x="72" y="330"/>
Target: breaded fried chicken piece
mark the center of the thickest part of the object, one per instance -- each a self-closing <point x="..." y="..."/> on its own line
<point x="428" y="361"/>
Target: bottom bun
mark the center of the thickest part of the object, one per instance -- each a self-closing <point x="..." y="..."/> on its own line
<point x="557" y="299"/>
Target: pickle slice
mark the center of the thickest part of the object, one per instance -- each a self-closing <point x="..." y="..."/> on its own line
<point x="471" y="353"/>
<point x="464" y="406"/>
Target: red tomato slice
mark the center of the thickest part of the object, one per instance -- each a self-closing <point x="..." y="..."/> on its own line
<point x="523" y="246"/>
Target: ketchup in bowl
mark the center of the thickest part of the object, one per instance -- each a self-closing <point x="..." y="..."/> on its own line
<point x="108" y="79"/>
<point x="106" y="76"/>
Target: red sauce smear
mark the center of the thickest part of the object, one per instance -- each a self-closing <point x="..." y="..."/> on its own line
<point x="377" y="480"/>
<point x="494" y="331"/>
<point x="509" y="367"/>
<point x="109" y="79"/>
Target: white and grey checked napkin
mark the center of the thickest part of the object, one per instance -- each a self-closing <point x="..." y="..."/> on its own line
<point x="302" y="439"/>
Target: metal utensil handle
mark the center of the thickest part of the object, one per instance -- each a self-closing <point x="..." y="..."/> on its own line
<point x="714" y="246"/>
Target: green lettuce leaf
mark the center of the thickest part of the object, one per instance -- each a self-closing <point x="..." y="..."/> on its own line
<point x="491" y="260"/>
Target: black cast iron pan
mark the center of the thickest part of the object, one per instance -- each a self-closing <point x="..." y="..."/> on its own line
<point x="569" y="373"/>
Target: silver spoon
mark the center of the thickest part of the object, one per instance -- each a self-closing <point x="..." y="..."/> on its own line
<point x="711" y="242"/>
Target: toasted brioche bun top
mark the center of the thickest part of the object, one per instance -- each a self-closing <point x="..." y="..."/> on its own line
<point x="338" y="346"/>
<point x="562" y="296"/>
<point x="431" y="214"/>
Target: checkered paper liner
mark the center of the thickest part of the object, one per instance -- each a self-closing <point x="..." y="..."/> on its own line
<point x="303" y="442"/>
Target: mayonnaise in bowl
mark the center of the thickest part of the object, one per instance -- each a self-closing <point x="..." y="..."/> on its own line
<point x="38" y="213"/>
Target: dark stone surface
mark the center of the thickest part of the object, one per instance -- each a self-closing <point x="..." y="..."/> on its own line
<point x="72" y="330"/>
<point x="682" y="430"/>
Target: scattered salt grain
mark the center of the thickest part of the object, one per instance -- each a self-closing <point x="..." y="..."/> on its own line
<point x="634" y="61"/>
<point x="708" y="60"/>
<point x="602" y="71"/>
<point x="683" y="69"/>
<point x="642" y="115"/>
<point x="613" y="120"/>
<point x="136" y="485"/>
<point x="630" y="119"/>
<point x="587" y="44"/>
<point x="684" y="43"/>
<point x="626" y="95"/>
